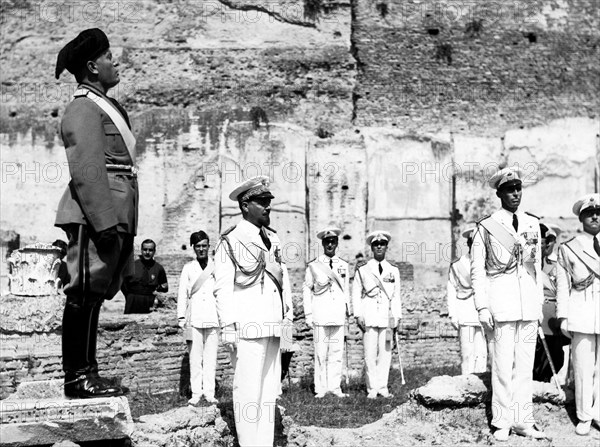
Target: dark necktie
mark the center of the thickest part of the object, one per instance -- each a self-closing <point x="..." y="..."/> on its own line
<point x="331" y="263"/>
<point x="596" y="246"/>
<point x="515" y="223"/>
<point x="380" y="269"/>
<point x="265" y="239"/>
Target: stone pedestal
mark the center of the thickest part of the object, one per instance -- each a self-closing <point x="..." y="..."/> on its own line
<point x="38" y="414"/>
<point x="33" y="270"/>
<point x="31" y="317"/>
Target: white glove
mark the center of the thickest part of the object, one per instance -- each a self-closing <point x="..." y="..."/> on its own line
<point x="229" y="337"/>
<point x="309" y="321"/>
<point x="181" y="324"/>
<point x="486" y="319"/>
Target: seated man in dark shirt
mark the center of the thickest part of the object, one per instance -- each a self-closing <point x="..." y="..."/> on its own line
<point x="148" y="277"/>
<point x="63" y="273"/>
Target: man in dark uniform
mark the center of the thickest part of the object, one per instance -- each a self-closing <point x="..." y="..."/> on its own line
<point x="148" y="277"/>
<point x="98" y="211"/>
<point x="63" y="272"/>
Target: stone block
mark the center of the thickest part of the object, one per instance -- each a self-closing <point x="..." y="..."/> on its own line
<point x="473" y="389"/>
<point x="337" y="192"/>
<point x="38" y="414"/>
<point x="408" y="177"/>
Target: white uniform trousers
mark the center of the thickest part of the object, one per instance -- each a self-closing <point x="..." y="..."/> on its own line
<point x="329" y="353"/>
<point x="203" y="361"/>
<point x="256" y="383"/>
<point x="473" y="349"/>
<point x="378" y="359"/>
<point x="586" y="371"/>
<point x="513" y="351"/>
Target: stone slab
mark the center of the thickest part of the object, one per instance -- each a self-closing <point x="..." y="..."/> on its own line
<point x="470" y="389"/>
<point x="39" y="414"/>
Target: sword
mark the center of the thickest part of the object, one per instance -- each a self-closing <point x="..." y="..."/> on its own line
<point x="547" y="351"/>
<point x="347" y="380"/>
<point x="399" y="358"/>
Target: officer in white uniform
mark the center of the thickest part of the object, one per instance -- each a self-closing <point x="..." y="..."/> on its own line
<point x="578" y="309"/>
<point x="326" y="301"/>
<point x="462" y="312"/>
<point x="378" y="309"/>
<point x="197" y="314"/>
<point x="253" y="304"/>
<point x="542" y="371"/>
<point x="506" y="277"/>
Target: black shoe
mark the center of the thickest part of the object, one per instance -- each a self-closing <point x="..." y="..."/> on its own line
<point x="87" y="387"/>
<point x="108" y="382"/>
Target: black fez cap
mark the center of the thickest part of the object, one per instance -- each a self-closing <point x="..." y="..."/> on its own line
<point x="87" y="46"/>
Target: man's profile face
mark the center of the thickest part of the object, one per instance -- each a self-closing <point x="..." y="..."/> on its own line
<point x="106" y="70"/>
<point x="590" y="218"/>
<point x="258" y="211"/>
<point x="379" y="249"/>
<point x="330" y="245"/>
<point x="201" y="249"/>
<point x="548" y="244"/>
<point x="510" y="196"/>
<point x="148" y="250"/>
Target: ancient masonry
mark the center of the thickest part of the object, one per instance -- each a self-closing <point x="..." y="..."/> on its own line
<point x="367" y="114"/>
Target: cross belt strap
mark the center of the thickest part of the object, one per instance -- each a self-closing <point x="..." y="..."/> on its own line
<point x="210" y="268"/>
<point x="463" y="279"/>
<point x="326" y="271"/>
<point x="591" y="263"/>
<point x="506" y="239"/>
<point x="114" y="115"/>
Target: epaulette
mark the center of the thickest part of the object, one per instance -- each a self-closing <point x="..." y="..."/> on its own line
<point x="566" y="242"/>
<point x="345" y="260"/>
<point x="228" y="230"/>
<point x="532" y="215"/>
<point x="271" y="229"/>
<point x="483" y="218"/>
<point x="312" y="260"/>
<point x="81" y="93"/>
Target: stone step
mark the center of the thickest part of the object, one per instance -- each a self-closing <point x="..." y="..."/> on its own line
<point x="39" y="414"/>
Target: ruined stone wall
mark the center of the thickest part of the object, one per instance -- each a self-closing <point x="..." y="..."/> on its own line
<point x="478" y="67"/>
<point x="365" y="114"/>
<point x="148" y="354"/>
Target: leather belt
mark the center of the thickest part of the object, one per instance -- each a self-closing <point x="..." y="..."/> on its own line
<point x="124" y="169"/>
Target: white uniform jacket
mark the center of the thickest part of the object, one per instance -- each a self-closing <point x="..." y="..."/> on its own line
<point x="500" y="278"/>
<point x="549" y="281"/>
<point x="323" y="297"/>
<point x="578" y="287"/>
<point x="369" y="301"/>
<point x="461" y="305"/>
<point x="255" y="307"/>
<point x="203" y="306"/>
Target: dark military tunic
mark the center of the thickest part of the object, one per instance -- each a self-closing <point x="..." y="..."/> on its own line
<point x="97" y="198"/>
<point x="140" y="287"/>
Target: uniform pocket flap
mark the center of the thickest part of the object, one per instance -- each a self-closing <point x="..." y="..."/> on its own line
<point x="117" y="186"/>
<point x="111" y="129"/>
